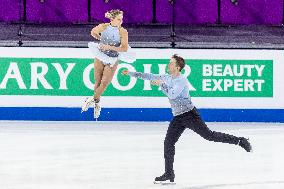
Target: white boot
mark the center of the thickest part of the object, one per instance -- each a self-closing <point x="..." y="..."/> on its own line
<point x="87" y="103"/>
<point x="97" y="110"/>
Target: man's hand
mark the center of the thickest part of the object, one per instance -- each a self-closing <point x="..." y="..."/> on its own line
<point x="124" y="72"/>
<point x="156" y="82"/>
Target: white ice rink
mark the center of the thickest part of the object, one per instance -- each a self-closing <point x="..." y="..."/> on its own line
<point x="121" y="155"/>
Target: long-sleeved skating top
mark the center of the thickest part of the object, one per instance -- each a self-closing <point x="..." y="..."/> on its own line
<point x="176" y="89"/>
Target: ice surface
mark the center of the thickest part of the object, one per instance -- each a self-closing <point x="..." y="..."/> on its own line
<point x="120" y="155"/>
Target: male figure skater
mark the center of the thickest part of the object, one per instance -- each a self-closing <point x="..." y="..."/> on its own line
<point x="176" y="87"/>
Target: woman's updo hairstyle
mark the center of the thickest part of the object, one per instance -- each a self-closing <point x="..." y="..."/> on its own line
<point x="113" y="13"/>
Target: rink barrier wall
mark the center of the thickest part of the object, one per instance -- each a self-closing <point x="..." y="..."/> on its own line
<point x="226" y="85"/>
<point x="139" y="114"/>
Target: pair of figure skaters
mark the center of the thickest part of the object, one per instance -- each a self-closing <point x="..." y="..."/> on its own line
<point x="113" y="41"/>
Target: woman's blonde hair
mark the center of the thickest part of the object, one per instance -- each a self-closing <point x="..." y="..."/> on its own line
<point x="113" y="13"/>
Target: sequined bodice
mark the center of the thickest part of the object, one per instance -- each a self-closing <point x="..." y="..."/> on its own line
<point x="111" y="36"/>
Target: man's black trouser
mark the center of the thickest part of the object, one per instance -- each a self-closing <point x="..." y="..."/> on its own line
<point x="193" y="121"/>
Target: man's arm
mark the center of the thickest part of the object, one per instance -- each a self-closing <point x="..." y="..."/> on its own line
<point x="144" y="76"/>
<point x="171" y="92"/>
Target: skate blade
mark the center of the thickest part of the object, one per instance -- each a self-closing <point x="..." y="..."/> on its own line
<point x="164" y="182"/>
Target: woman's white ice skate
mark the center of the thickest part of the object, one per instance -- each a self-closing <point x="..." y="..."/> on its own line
<point x="87" y="103"/>
<point x="97" y="110"/>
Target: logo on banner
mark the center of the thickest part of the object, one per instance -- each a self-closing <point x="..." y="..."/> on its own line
<point x="74" y="77"/>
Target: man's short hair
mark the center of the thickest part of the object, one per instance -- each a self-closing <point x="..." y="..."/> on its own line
<point x="179" y="61"/>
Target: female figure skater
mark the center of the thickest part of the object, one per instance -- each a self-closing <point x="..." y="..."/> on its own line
<point x="113" y="46"/>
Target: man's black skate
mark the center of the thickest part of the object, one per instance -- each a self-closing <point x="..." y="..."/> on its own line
<point x="244" y="143"/>
<point x="166" y="178"/>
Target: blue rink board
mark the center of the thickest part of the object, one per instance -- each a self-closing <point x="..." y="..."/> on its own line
<point x="138" y="114"/>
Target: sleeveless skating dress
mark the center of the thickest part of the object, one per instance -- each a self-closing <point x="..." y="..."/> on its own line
<point x="111" y="36"/>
